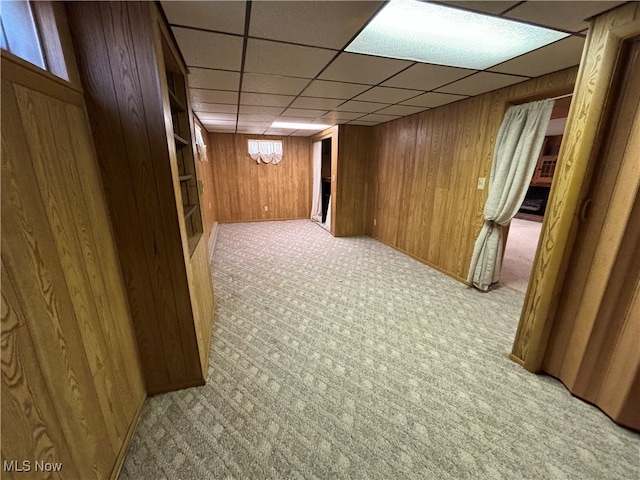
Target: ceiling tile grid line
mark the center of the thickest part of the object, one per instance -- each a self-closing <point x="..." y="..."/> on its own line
<point x="298" y="67"/>
<point x="247" y="19"/>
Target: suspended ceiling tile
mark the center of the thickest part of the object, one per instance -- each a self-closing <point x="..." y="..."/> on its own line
<point x="214" y="107"/>
<point x="251" y="130"/>
<point x="222" y="118"/>
<point x="206" y="49"/>
<point x="363" y="107"/>
<point x="303" y="133"/>
<point x="568" y="16"/>
<point x="356" y="68"/>
<point x="325" y="24"/>
<point x="268" y="100"/>
<point x="254" y="124"/>
<point x="481" y="82"/>
<point x="401" y="110"/>
<point x="344" y="91"/>
<point x="376" y="117"/>
<point x="278" y="132"/>
<point x="213" y="96"/>
<point x="213" y="79"/>
<point x="259" y="83"/>
<point x="301" y="112"/>
<point x="363" y="123"/>
<point x="219" y="129"/>
<point x="423" y="76"/>
<point x="260" y="110"/>
<point x="283" y="59"/>
<point x="220" y="15"/>
<point x="340" y="117"/>
<point x="316" y="103"/>
<point x="493" y="7"/>
<point x="386" y="95"/>
<point x="432" y="100"/>
<point x="292" y="119"/>
<point x="251" y="118"/>
<point x="557" y="56"/>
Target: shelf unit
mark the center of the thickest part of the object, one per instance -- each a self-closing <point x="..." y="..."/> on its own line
<point x="546" y="166"/>
<point x="182" y="135"/>
<point x="146" y="157"/>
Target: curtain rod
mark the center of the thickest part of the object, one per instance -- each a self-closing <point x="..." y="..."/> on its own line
<point x="561" y="96"/>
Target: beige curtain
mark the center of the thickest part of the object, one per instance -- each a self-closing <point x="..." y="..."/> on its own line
<point x="316" y="205"/>
<point x="517" y="148"/>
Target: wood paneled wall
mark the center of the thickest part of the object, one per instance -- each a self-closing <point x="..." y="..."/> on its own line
<point x="354" y="175"/>
<point x="424" y="199"/>
<point x="72" y="387"/>
<point x="575" y="161"/>
<point x="243" y="187"/>
<point x="206" y="174"/>
<point x="120" y="61"/>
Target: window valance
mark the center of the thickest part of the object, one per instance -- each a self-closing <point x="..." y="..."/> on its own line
<point x="266" y="151"/>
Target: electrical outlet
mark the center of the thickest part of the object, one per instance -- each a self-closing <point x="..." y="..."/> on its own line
<point x="481" y="181"/>
<point x="209" y="205"/>
<point x="266" y="208"/>
<point x="374" y="222"/>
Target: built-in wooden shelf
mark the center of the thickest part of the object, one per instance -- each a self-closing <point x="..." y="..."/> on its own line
<point x="176" y="104"/>
<point x="184" y="178"/>
<point x="181" y="142"/>
<point x="188" y="210"/>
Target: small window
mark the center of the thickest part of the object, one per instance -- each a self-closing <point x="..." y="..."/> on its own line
<point x="19" y="33"/>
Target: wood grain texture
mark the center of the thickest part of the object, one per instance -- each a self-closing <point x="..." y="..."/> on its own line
<point x="243" y="187"/>
<point x="597" y="321"/>
<point x="71" y="382"/>
<point x="353" y="179"/>
<point x="575" y="162"/>
<point x="121" y="63"/>
<point x="423" y="198"/>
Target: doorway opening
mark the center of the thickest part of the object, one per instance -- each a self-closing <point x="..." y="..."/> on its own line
<point x="526" y="227"/>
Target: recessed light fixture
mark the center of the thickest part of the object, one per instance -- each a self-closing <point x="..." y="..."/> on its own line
<point x="299" y="126"/>
<point x="424" y="32"/>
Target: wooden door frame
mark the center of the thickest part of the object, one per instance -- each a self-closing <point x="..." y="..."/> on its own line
<point x="581" y="141"/>
<point x="332" y="133"/>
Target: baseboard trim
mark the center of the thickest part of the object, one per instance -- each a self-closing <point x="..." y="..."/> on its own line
<point x="264" y="220"/>
<point x="213" y="237"/>
<point x="127" y="440"/>
<point x="428" y="264"/>
<point x="515" y="359"/>
<point x="179" y="386"/>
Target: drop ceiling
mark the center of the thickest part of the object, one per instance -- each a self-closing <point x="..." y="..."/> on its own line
<point x="253" y="63"/>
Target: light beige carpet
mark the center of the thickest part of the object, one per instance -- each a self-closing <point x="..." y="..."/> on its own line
<point x="341" y="358"/>
<point x="519" y="254"/>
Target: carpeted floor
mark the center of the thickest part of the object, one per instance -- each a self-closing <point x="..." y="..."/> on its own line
<point x="340" y="358"/>
<point x="519" y="254"/>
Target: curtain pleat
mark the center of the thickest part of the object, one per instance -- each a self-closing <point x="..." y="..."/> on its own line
<point x="316" y="205"/>
<point x="517" y="148"/>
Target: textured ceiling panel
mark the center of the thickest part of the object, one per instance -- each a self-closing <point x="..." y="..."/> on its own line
<point x="212" y="50"/>
<point x="219" y="15"/>
<point x="364" y="107"/>
<point x="218" y="79"/>
<point x="265" y="99"/>
<point x="432" y="100"/>
<point x="320" y="88"/>
<point x="213" y="96"/>
<point x="259" y="83"/>
<point x="323" y="24"/>
<point x="481" y="82"/>
<point x="282" y="59"/>
<point x="568" y="16"/>
<point x="422" y="76"/>
<point x="386" y="95"/>
<point x="352" y="67"/>
<point x="557" y="56"/>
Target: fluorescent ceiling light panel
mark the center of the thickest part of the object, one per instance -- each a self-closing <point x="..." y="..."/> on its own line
<point x="299" y="126"/>
<point x="429" y="33"/>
